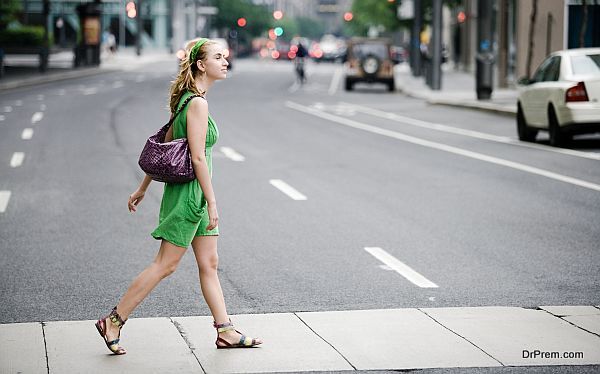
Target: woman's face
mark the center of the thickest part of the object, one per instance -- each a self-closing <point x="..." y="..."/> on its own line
<point x="215" y="64"/>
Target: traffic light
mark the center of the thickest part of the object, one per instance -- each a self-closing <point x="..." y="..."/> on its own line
<point x="130" y="8"/>
<point x="348" y="16"/>
<point x="278" y="31"/>
<point x="241" y="22"/>
<point x="278" y="14"/>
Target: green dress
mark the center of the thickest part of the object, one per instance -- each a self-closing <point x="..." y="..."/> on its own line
<point x="183" y="210"/>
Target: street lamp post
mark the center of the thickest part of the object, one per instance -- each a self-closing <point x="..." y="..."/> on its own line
<point x="436" y="58"/>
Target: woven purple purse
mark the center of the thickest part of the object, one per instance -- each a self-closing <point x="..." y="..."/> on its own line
<point x="168" y="162"/>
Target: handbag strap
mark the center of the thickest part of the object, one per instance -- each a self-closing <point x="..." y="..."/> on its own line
<point x="181" y="108"/>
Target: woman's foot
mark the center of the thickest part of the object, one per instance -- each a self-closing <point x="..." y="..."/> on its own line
<point x="229" y="337"/>
<point x="109" y="328"/>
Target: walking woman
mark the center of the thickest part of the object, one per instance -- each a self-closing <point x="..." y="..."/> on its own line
<point x="188" y="211"/>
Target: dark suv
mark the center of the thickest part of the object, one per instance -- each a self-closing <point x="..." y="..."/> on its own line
<point x="369" y="60"/>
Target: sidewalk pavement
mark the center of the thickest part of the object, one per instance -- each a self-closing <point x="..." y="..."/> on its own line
<point x="393" y="339"/>
<point x="23" y="71"/>
<point x="457" y="89"/>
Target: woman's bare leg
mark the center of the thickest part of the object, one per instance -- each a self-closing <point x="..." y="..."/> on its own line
<point x="164" y="264"/>
<point x="205" y="250"/>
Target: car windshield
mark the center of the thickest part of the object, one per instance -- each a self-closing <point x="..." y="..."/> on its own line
<point x="586" y="64"/>
<point x="362" y="50"/>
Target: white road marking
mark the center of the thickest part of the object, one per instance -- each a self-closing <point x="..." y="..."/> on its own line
<point x="444" y="147"/>
<point x="27" y="134"/>
<point x="287" y="189"/>
<point x="61" y="92"/>
<point x="294" y="87"/>
<point x="232" y="154"/>
<point x="400" y="267"/>
<point x="43" y="107"/>
<point x="19" y="102"/>
<point x="90" y="91"/>
<point x="17" y="159"/>
<point x="37" y="117"/>
<point x="7" y="109"/>
<point x="2" y="117"/>
<point x="4" y="197"/>
<point x="117" y="84"/>
<point x="40" y="97"/>
<point x="470" y="133"/>
<point x="335" y="81"/>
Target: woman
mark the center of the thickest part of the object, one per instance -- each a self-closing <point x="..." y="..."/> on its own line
<point x="188" y="211"/>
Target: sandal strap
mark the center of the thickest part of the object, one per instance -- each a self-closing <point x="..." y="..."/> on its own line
<point x="113" y="342"/>
<point x="115" y="318"/>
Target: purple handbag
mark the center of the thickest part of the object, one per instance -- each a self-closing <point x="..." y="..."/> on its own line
<point x="168" y="162"/>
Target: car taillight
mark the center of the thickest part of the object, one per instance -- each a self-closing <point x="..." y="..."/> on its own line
<point x="576" y="93"/>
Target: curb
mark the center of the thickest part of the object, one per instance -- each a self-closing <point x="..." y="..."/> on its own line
<point x="41" y="79"/>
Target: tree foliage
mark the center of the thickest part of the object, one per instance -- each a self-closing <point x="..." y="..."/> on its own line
<point x="257" y="16"/>
<point x="9" y="12"/>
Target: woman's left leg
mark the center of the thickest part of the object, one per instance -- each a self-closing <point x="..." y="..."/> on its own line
<point x="205" y="250"/>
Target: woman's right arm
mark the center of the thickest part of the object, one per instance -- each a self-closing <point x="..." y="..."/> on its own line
<point x="197" y="126"/>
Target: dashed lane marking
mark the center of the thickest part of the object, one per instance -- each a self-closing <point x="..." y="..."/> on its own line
<point x="7" y="109"/>
<point x="465" y="132"/>
<point x="37" y="117"/>
<point x="4" y="197"/>
<point x="232" y="154"/>
<point x="400" y="267"/>
<point x="2" y="117"/>
<point x="287" y="189"/>
<point x="17" y="159"/>
<point x="27" y="134"/>
<point x="443" y="147"/>
<point x="335" y="81"/>
<point x="90" y="91"/>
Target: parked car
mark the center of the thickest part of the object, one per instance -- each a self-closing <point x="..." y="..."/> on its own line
<point x="562" y="97"/>
<point x="369" y="60"/>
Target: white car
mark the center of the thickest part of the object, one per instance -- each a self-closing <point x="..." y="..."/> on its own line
<point x="562" y="97"/>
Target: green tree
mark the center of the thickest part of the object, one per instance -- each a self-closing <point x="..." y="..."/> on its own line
<point x="230" y="11"/>
<point x="310" y="28"/>
<point x="373" y="13"/>
<point x="9" y="12"/>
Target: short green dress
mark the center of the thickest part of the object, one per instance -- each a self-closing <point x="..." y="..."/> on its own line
<point x="183" y="210"/>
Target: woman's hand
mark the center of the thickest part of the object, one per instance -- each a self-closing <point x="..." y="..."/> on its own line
<point x="213" y="216"/>
<point x="134" y="199"/>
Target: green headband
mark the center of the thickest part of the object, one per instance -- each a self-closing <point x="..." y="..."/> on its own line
<point x="196" y="48"/>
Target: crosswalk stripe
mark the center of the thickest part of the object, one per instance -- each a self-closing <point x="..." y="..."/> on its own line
<point x="4" y="197"/>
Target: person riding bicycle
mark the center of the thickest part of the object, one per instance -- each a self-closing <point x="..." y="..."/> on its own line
<point x="301" y="53"/>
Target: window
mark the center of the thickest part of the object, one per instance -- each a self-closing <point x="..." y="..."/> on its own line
<point x="541" y="71"/>
<point x="586" y="65"/>
<point x="553" y="71"/>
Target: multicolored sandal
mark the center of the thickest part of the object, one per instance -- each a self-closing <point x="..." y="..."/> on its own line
<point x="245" y="342"/>
<point x="116" y="320"/>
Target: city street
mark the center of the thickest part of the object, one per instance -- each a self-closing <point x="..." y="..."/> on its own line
<point x="328" y="201"/>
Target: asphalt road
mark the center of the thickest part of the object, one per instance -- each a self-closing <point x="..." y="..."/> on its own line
<point x="448" y="192"/>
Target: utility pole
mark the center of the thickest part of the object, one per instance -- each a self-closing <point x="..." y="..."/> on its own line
<point x="436" y="58"/>
<point x="485" y="57"/>
<point x="415" y="45"/>
<point x="140" y="27"/>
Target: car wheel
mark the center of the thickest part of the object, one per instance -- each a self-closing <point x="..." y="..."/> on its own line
<point x="557" y="137"/>
<point x="526" y="133"/>
<point x="349" y="85"/>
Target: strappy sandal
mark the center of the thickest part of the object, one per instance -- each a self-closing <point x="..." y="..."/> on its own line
<point x="245" y="342"/>
<point x="116" y="320"/>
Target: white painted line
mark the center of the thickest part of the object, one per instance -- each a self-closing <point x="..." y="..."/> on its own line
<point x="294" y="87"/>
<point x="400" y="267"/>
<point x="117" y="84"/>
<point x="470" y="133"/>
<point x="43" y="107"/>
<point x="7" y="109"/>
<point x="61" y="92"/>
<point x="27" y="134"/>
<point x="2" y="117"/>
<point x="17" y="159"/>
<point x="4" y="197"/>
<point x="19" y="102"/>
<point x="287" y="189"/>
<point x="37" y="117"/>
<point x="40" y="97"/>
<point x="90" y="91"/>
<point x="232" y="154"/>
<point x="335" y="81"/>
<point x="443" y="147"/>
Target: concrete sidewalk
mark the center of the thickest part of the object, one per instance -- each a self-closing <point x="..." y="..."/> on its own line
<point x="392" y="339"/>
<point x="457" y="89"/>
<point x="22" y="71"/>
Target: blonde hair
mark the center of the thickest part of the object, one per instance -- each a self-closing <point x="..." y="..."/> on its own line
<point x="188" y="70"/>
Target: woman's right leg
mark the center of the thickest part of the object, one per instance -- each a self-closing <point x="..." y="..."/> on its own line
<point x="164" y="264"/>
